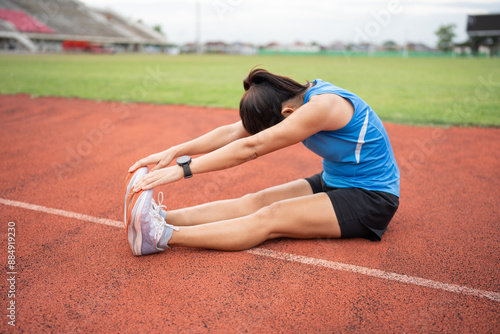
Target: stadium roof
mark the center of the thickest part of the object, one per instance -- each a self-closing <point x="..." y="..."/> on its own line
<point x="71" y="19"/>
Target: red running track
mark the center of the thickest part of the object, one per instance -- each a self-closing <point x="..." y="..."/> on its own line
<point x="437" y="268"/>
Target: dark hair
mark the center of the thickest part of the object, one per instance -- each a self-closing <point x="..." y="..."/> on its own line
<point x="260" y="106"/>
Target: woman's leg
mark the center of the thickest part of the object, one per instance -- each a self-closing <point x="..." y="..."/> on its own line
<point x="303" y="217"/>
<point x="234" y="208"/>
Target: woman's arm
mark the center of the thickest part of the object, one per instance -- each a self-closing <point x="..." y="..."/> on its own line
<point x="212" y="140"/>
<point x="317" y="115"/>
<point x="321" y="113"/>
<point x="203" y="144"/>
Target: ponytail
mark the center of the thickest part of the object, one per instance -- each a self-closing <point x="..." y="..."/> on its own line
<point x="265" y="93"/>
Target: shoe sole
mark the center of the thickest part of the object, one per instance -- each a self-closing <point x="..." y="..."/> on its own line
<point x="132" y="202"/>
<point x="129" y="183"/>
<point x="134" y="229"/>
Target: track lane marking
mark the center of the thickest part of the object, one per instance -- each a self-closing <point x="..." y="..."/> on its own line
<point x="495" y="296"/>
<point x="63" y="213"/>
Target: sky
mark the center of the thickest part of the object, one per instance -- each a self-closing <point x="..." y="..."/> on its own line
<point x="287" y="21"/>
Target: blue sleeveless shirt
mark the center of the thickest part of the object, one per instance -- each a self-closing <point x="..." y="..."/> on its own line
<point x="359" y="155"/>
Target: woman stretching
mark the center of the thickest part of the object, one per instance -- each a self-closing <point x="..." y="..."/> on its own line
<point x="355" y="196"/>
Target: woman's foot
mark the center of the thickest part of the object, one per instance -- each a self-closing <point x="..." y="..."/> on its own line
<point x="144" y="219"/>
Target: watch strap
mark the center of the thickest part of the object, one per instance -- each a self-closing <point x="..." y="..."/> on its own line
<point x="187" y="171"/>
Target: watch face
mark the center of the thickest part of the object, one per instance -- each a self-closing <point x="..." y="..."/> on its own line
<point x="184" y="160"/>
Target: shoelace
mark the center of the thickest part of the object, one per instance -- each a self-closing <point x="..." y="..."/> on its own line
<point x="157" y="219"/>
<point x="159" y="206"/>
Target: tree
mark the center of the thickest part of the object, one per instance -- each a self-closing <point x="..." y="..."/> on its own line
<point x="445" y="36"/>
<point x="158" y="28"/>
<point x="390" y="45"/>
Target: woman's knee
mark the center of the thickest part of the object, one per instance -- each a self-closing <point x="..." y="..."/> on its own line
<point x="272" y="220"/>
<point x="255" y="201"/>
<point x="267" y="197"/>
<point x="269" y="213"/>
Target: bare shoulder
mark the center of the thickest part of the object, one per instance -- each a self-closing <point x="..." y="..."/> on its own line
<point x="338" y="110"/>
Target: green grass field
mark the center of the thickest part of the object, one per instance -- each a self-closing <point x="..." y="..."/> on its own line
<point x="423" y="91"/>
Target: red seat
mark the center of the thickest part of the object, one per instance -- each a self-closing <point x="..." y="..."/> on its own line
<point x="24" y="22"/>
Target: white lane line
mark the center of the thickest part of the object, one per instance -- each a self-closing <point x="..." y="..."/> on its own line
<point x="63" y="213"/>
<point x="495" y="296"/>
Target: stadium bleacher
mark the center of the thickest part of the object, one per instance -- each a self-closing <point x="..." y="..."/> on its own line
<point x="49" y="23"/>
<point x="24" y="22"/>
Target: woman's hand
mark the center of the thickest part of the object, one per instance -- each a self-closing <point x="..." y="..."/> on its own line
<point x="159" y="177"/>
<point x="161" y="159"/>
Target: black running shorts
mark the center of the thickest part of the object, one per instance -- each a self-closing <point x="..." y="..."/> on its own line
<point x="361" y="213"/>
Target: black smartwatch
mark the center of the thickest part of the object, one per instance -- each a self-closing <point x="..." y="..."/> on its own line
<point x="184" y="162"/>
